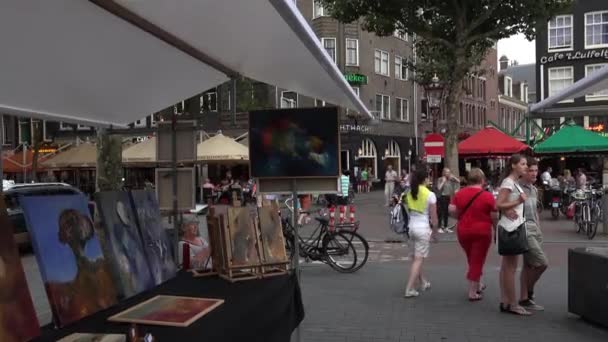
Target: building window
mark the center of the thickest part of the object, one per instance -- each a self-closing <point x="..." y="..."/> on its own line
<point x="401" y="71"/>
<point x="208" y="102"/>
<point x="318" y="10"/>
<point x="400" y="34"/>
<point x="289" y="99"/>
<point x="6" y="123"/>
<point x="402" y="107"/>
<point x="560" y="32"/>
<point x="329" y="44"/>
<point x="460" y="115"/>
<point x="508" y="91"/>
<point x="64" y="126"/>
<point x="356" y="90"/>
<point x="596" y="29"/>
<point x="381" y="62"/>
<point x="598" y="95"/>
<point x="178" y="109"/>
<point x="559" y="79"/>
<point x="383" y="106"/>
<point x="319" y="103"/>
<point x="352" y="52"/>
<point x="524" y="92"/>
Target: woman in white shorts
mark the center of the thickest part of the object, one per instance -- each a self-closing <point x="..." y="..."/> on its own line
<point x="422" y="208"/>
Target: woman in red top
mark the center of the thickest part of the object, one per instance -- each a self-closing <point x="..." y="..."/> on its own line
<point x="474" y="208"/>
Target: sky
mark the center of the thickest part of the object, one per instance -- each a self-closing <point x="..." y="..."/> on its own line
<point x="518" y="48"/>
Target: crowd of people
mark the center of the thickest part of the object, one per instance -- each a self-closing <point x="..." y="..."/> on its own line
<point x="511" y="220"/>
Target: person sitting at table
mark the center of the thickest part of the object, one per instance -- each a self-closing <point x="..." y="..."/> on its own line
<point x="208" y="184"/>
<point x="200" y="251"/>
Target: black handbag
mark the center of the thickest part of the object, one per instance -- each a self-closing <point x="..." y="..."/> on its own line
<point x="515" y="242"/>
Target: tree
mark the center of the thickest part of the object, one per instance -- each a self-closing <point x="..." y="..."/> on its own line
<point x="453" y="36"/>
<point x="109" y="162"/>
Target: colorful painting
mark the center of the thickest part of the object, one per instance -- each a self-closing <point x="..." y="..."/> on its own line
<point x="273" y="243"/>
<point x="301" y="142"/>
<point x="94" y="338"/>
<point x="196" y="235"/>
<point x="242" y="238"/>
<point x="157" y="245"/>
<point x="168" y="310"/>
<point x="76" y="275"/>
<point x="18" y="321"/>
<point x="121" y="238"/>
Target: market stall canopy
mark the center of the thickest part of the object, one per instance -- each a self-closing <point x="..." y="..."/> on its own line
<point x="104" y="62"/>
<point x="143" y="152"/>
<point x="593" y="83"/>
<point x="17" y="162"/>
<point x="83" y="155"/>
<point x="571" y="139"/>
<point x="490" y="141"/>
<point x="221" y="148"/>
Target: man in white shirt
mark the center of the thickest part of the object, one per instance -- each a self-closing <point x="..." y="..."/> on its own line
<point x="546" y="176"/>
<point x="390" y="177"/>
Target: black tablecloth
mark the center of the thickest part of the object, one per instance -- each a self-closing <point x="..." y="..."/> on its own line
<point x="254" y="310"/>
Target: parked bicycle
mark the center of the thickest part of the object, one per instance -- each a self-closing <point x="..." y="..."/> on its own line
<point x="341" y="247"/>
<point x="587" y="211"/>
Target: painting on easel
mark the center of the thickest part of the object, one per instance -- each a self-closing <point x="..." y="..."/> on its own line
<point x="243" y="240"/>
<point x="272" y="240"/>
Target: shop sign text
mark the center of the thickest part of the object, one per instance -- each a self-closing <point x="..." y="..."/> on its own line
<point x="355" y="128"/>
<point x="572" y="56"/>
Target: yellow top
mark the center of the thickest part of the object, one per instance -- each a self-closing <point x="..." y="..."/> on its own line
<point x="419" y="204"/>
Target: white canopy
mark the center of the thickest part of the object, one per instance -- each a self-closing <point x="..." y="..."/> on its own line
<point x="595" y="82"/>
<point x="221" y="148"/>
<point x="104" y="62"/>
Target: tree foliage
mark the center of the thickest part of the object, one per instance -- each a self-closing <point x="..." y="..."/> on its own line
<point x="453" y="36"/>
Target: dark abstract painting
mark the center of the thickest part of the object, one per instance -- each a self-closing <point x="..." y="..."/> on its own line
<point x="125" y="251"/>
<point x="76" y="275"/>
<point x="157" y="245"/>
<point x="294" y="143"/>
<point x="18" y="320"/>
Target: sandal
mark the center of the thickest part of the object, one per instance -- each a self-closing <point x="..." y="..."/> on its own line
<point x="515" y="310"/>
<point x="482" y="288"/>
<point x="475" y="297"/>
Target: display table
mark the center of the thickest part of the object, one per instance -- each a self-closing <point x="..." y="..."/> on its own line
<point x="256" y="310"/>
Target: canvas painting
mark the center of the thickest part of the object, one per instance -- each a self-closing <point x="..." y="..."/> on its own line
<point x="18" y="321"/>
<point x="76" y="275"/>
<point x="242" y="238"/>
<point x="121" y="238"/>
<point x="273" y="243"/>
<point x="302" y="142"/>
<point x="94" y="338"/>
<point x="157" y="245"/>
<point x="195" y="234"/>
<point x="168" y="310"/>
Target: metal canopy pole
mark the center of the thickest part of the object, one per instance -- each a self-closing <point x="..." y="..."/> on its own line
<point x="296" y="237"/>
<point x="174" y="178"/>
<point x="1" y="152"/>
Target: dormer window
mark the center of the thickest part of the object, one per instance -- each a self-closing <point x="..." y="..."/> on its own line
<point x="508" y="87"/>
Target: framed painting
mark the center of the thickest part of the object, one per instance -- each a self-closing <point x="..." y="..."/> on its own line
<point x="290" y="143"/>
<point x="157" y="245"/>
<point x="18" y="321"/>
<point x="242" y="239"/>
<point x="271" y="236"/>
<point x="76" y="276"/>
<point x="123" y="243"/>
<point x="94" y="338"/>
<point x="195" y="234"/>
<point x="171" y="311"/>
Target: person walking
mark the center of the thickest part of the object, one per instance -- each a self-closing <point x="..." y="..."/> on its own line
<point x="447" y="185"/>
<point x="475" y="209"/>
<point x="390" y="177"/>
<point x="535" y="260"/>
<point x="422" y="208"/>
<point x="510" y="203"/>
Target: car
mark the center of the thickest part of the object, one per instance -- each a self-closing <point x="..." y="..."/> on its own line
<point x="15" y="213"/>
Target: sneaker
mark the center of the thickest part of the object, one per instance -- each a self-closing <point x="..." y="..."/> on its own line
<point x="425" y="286"/>
<point x="448" y="230"/>
<point x="530" y="305"/>
<point x="411" y="293"/>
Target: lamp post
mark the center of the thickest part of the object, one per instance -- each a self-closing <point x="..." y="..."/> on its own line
<point x="434" y="95"/>
<point x="409" y="161"/>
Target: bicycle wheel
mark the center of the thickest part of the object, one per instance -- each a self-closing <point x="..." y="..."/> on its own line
<point x="596" y="213"/>
<point x="361" y="247"/>
<point x="339" y="252"/>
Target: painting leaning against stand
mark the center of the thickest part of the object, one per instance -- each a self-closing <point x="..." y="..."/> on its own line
<point x="18" y="321"/>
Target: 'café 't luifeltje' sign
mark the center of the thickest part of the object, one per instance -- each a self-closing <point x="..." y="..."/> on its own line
<point x="574" y="55"/>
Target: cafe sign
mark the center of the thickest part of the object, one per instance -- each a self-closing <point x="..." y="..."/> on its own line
<point x="355" y="128"/>
<point x="357" y="79"/>
<point x="574" y="55"/>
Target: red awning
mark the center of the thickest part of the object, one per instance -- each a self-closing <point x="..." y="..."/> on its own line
<point x="490" y="141"/>
<point x="15" y="163"/>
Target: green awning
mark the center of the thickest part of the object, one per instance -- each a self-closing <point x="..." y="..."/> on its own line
<point x="571" y="139"/>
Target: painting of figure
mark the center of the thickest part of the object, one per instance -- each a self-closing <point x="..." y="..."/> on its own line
<point x="196" y="235"/>
<point x="168" y="310"/>
<point x="75" y="273"/>
<point x="123" y="242"/>
<point x="18" y="321"/>
<point x="242" y="238"/>
<point x="157" y="246"/>
<point x="273" y="243"/>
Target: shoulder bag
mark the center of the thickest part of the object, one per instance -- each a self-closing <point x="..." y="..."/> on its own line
<point x="469" y="204"/>
<point x="516" y="241"/>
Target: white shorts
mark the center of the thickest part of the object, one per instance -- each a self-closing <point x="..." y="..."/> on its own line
<point x="420" y="242"/>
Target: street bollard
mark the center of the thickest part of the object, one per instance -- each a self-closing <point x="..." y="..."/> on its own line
<point x="604" y="211"/>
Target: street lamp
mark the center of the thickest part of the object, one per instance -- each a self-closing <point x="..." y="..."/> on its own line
<point x="409" y="161"/>
<point x="434" y="95"/>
